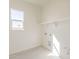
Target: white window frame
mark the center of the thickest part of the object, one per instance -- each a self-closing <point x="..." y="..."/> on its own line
<point x="17" y="19"/>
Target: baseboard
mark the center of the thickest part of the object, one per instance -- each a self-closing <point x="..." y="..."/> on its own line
<point x="45" y="48"/>
<point x="24" y="50"/>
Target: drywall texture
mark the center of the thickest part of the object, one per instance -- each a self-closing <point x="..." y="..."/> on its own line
<point x="29" y="37"/>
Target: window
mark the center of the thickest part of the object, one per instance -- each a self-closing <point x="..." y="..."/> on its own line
<point x="17" y="18"/>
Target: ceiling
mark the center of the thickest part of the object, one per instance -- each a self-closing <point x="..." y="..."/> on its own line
<point x="37" y="2"/>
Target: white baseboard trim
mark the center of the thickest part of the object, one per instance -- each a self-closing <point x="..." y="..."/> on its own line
<point x="24" y="50"/>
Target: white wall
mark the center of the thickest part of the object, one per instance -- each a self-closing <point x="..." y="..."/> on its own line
<point x="56" y="11"/>
<point x="47" y="29"/>
<point x="62" y="34"/>
<point x="29" y="37"/>
<point x="61" y="31"/>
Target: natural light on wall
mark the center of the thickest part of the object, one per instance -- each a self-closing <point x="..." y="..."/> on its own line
<point x="56" y="47"/>
<point x="17" y="19"/>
